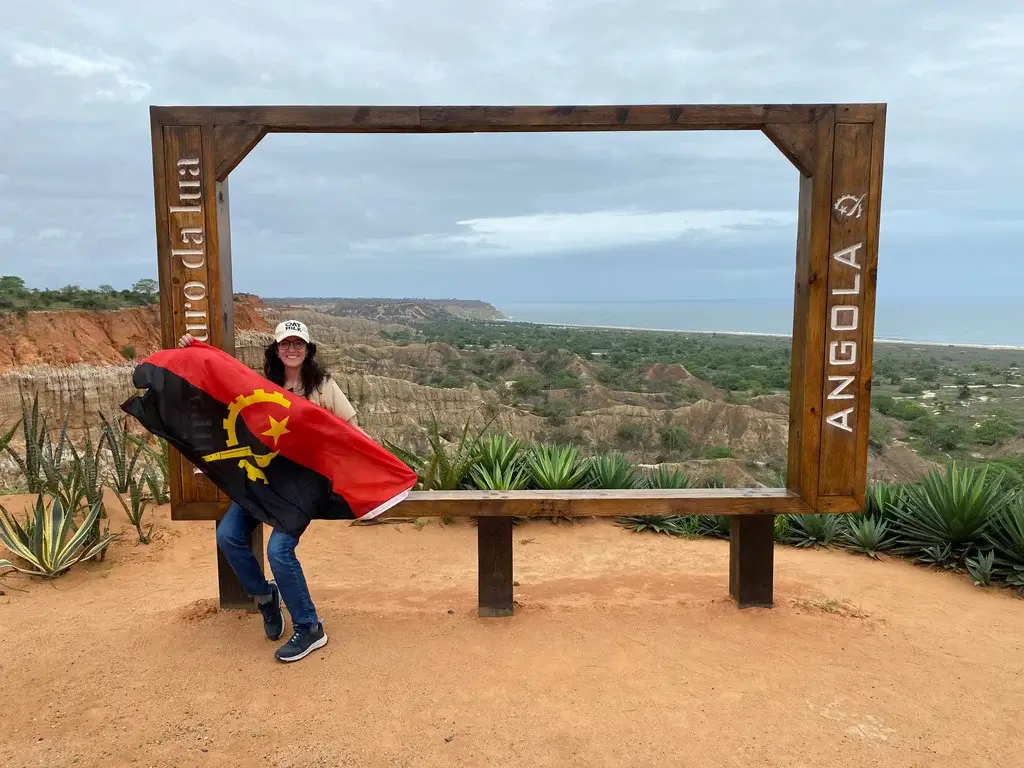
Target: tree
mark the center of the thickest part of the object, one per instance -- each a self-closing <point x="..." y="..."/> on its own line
<point x="146" y="286"/>
<point x="11" y="285"/>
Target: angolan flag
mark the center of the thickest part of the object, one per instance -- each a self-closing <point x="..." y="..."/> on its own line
<point x="283" y="458"/>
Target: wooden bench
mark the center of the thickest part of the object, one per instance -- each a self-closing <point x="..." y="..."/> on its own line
<point x="751" y="512"/>
<point x="751" y="534"/>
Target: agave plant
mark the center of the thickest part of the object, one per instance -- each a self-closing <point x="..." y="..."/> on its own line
<point x="65" y="483"/>
<point x="812" y="530"/>
<point x="614" y="471"/>
<point x="882" y="498"/>
<point x="678" y="525"/>
<point x="500" y="465"/>
<point x="1006" y="537"/>
<point x="49" y="542"/>
<point x="447" y="465"/>
<point x="980" y="568"/>
<point x="943" y="518"/>
<point x="157" y="471"/>
<point x="36" y="435"/>
<point x="672" y="525"/>
<point x="556" y="467"/>
<point x="137" y="509"/>
<point x="867" y="534"/>
<point x="662" y="477"/>
<point x="717" y="526"/>
<point x="91" y="470"/>
<point x="125" y="450"/>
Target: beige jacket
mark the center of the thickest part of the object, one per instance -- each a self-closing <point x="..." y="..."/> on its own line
<point x="329" y="395"/>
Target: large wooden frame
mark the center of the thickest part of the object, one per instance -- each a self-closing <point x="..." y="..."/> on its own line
<point x="838" y="151"/>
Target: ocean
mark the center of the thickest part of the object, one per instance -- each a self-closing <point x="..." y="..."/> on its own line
<point x="968" y="321"/>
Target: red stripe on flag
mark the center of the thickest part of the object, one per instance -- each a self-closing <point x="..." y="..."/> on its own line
<point x="370" y="478"/>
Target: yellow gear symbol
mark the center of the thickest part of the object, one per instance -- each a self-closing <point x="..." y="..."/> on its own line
<point x="244" y="453"/>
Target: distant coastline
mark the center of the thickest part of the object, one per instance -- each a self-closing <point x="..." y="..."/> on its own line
<point x="758" y="334"/>
<point x="968" y="322"/>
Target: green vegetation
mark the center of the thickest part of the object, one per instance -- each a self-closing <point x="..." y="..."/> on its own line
<point x="65" y="526"/>
<point x="618" y="357"/>
<point x="15" y="297"/>
<point x="965" y="519"/>
<point x="945" y="403"/>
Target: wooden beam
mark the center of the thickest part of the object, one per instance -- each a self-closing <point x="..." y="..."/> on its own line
<point x="602" y="503"/>
<point x="810" y="318"/>
<point x="231" y="143"/>
<point x="494" y="567"/>
<point x="468" y="119"/>
<point x="578" y="503"/>
<point x="752" y="560"/>
<point x="796" y="141"/>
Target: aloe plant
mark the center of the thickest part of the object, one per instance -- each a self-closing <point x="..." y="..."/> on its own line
<point x="500" y="465"/>
<point x="49" y="542"/>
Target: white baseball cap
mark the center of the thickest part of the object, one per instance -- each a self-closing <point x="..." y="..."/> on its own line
<point x="291" y="328"/>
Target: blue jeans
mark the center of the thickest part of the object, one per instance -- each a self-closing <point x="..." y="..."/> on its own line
<point x="233" y="537"/>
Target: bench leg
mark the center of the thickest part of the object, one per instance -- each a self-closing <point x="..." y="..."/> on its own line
<point x="232" y="596"/>
<point x="752" y="560"/>
<point x="494" y="566"/>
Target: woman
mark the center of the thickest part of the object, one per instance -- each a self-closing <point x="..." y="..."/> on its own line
<point x="290" y="361"/>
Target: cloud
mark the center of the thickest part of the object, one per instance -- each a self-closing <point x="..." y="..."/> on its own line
<point x="560" y="234"/>
<point x="110" y="75"/>
<point x="653" y="213"/>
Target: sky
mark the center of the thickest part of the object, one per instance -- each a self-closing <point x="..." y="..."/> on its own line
<point x="513" y="217"/>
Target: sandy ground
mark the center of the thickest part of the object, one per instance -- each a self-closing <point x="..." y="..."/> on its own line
<point x="625" y="651"/>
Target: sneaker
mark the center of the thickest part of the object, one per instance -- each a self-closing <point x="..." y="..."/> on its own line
<point x="304" y="641"/>
<point x="273" y="619"/>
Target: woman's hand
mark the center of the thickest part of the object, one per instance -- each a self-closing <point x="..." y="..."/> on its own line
<point x="186" y="339"/>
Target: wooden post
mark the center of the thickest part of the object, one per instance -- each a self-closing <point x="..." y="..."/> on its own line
<point x="194" y="258"/>
<point x="494" y="564"/>
<point x="752" y="560"/>
<point x="231" y="594"/>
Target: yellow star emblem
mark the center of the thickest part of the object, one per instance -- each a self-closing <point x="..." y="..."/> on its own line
<point x="277" y="428"/>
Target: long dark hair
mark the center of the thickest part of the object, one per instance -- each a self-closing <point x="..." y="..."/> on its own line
<point x="311" y="373"/>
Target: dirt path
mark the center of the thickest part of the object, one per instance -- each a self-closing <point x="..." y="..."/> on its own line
<point x="625" y="651"/>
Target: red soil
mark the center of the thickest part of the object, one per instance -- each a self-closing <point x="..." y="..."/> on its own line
<point x="93" y="337"/>
<point x="625" y="651"/>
